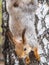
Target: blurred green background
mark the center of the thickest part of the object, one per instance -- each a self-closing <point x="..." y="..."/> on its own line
<point x="0" y="22"/>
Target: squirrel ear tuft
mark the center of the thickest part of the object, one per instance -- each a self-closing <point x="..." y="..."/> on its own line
<point x="23" y="36"/>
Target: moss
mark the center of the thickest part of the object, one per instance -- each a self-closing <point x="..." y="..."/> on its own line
<point x="1" y="39"/>
<point x="0" y="21"/>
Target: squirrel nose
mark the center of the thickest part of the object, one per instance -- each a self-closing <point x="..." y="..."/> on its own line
<point x="31" y="55"/>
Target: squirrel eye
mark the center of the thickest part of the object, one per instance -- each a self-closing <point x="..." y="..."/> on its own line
<point x="15" y="5"/>
<point x="25" y="49"/>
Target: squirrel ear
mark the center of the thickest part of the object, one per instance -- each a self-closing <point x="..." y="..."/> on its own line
<point x="23" y="36"/>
